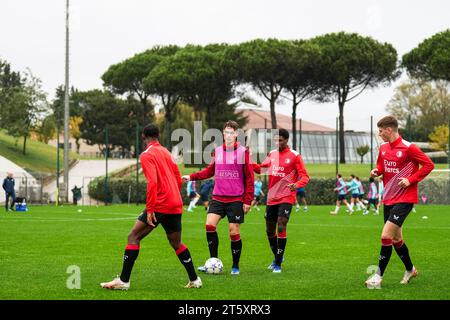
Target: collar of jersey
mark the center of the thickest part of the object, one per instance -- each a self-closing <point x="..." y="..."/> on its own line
<point x="396" y="142"/>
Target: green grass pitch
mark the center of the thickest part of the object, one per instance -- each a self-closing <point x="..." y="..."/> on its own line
<point x="327" y="257"/>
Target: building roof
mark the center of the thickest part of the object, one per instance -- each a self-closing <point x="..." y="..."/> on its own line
<point x="258" y="119"/>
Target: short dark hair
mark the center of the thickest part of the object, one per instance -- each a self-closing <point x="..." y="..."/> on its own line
<point x="353" y="176"/>
<point x="388" y="122"/>
<point x="371" y="179"/>
<point x="231" y="124"/>
<point x="339" y="175"/>
<point x="151" y="131"/>
<point x="284" y="133"/>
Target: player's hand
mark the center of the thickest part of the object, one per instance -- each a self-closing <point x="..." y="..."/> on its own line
<point x="404" y="183"/>
<point x="292" y="186"/>
<point x="374" y="173"/>
<point x="151" y="219"/>
<point x="186" y="178"/>
<point x="246" y="208"/>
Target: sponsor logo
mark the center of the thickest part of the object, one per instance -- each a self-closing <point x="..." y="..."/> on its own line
<point x="238" y="217"/>
<point x="286" y="211"/>
<point x="288" y="160"/>
<point x="396" y="217"/>
<point x="187" y="261"/>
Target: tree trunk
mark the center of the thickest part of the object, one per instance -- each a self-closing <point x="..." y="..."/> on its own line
<point x="294" y="124"/>
<point x="167" y="127"/>
<point x="273" y="115"/>
<point x="209" y="116"/>
<point x="24" y="144"/>
<point x="362" y="159"/>
<point x="341" y="133"/>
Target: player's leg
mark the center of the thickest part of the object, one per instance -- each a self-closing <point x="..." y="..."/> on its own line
<point x="139" y="231"/>
<point x="297" y="205"/>
<point x="282" y="240"/>
<point x="172" y="225"/>
<point x="349" y="207"/>
<point x="212" y="220"/>
<point x="305" y="204"/>
<point x="271" y="217"/>
<point x="236" y="245"/>
<point x="7" y="201"/>
<point x="400" y="247"/>
<point x="235" y="215"/>
<point x="338" y="204"/>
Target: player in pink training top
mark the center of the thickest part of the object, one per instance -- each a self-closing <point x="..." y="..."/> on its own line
<point x="398" y="162"/>
<point x="285" y="168"/>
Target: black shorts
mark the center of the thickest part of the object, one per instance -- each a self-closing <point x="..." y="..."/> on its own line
<point x="192" y="195"/>
<point x="258" y="198"/>
<point x="278" y="210"/>
<point x="234" y="211"/>
<point x="397" y="213"/>
<point x="355" y="195"/>
<point x="301" y="194"/>
<point x="341" y="197"/>
<point x="170" y="222"/>
<point x="373" y="201"/>
<point x="204" y="197"/>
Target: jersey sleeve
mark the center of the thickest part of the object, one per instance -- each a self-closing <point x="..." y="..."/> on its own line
<point x="206" y="173"/>
<point x="149" y="168"/>
<point x="380" y="165"/>
<point x="258" y="168"/>
<point x="418" y="156"/>
<point x="249" y="182"/>
<point x="301" y="170"/>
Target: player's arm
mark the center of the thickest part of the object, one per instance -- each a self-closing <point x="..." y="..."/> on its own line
<point x="258" y="168"/>
<point x="249" y="180"/>
<point x="379" y="170"/>
<point x="301" y="170"/>
<point x="177" y="174"/>
<point x="206" y="173"/>
<point x="418" y="156"/>
<point x="149" y="168"/>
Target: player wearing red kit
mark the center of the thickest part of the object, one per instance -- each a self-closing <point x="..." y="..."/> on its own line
<point x="398" y="162"/>
<point x="163" y="206"/>
<point x="285" y="167"/>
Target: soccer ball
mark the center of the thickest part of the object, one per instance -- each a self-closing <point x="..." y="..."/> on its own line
<point x="213" y="266"/>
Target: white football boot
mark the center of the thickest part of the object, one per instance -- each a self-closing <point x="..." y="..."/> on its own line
<point x="116" y="284"/>
<point x="197" y="283"/>
<point x="409" y="275"/>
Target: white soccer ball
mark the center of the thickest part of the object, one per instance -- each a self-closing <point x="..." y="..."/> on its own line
<point x="213" y="266"/>
<point x="79" y="210"/>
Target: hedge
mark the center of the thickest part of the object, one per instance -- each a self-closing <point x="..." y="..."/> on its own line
<point x="319" y="191"/>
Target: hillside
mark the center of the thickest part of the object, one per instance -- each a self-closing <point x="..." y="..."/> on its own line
<point x="39" y="157"/>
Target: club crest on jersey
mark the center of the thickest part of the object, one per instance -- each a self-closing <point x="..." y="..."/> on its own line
<point x="399" y="154"/>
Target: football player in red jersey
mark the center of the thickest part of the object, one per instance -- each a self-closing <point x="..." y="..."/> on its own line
<point x="163" y="206"/>
<point x="398" y="162"/>
<point x="286" y="173"/>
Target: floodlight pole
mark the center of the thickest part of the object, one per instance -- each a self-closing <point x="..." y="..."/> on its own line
<point x="66" y="112"/>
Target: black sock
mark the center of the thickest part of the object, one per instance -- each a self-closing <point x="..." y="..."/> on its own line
<point x="273" y="244"/>
<point x="186" y="260"/>
<point x="213" y="243"/>
<point x="236" y="248"/>
<point x="281" y="245"/>
<point x="385" y="255"/>
<point x="129" y="257"/>
<point x="403" y="253"/>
